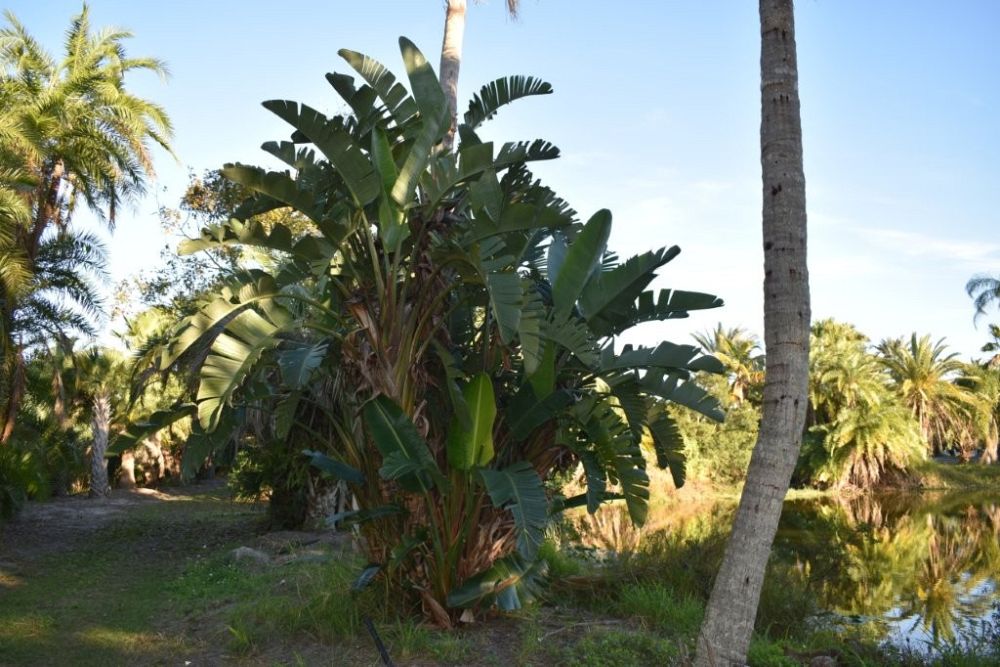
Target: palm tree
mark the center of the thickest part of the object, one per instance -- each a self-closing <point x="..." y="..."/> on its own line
<point x="985" y="291"/>
<point x="70" y="132"/>
<point x="740" y="352"/>
<point x="100" y="388"/>
<point x="725" y="634"/>
<point x="993" y="347"/>
<point x="870" y="439"/>
<point x="921" y="373"/>
<point x="984" y="381"/>
<point x="841" y="372"/>
<point x="60" y="295"/>
<point x="451" y="58"/>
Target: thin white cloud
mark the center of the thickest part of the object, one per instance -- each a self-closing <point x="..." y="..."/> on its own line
<point x="975" y="255"/>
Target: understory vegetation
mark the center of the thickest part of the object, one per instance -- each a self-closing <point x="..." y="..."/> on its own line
<point x="186" y="598"/>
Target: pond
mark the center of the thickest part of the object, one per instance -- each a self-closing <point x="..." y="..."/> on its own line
<point x="912" y="569"/>
<point x="917" y="569"/>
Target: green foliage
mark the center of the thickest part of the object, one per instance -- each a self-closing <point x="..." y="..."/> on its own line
<point x="436" y="331"/>
<point x="922" y="374"/>
<point x="768" y="653"/>
<point x="615" y="648"/>
<point x="71" y="133"/>
<point x="21" y="477"/>
<point x="662" y="609"/>
<point x="719" y="452"/>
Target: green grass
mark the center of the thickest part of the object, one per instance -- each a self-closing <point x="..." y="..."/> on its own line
<point x="662" y="609"/>
<point x="155" y="586"/>
<point x="936" y="475"/>
<point x="103" y="602"/>
<point x="612" y="648"/>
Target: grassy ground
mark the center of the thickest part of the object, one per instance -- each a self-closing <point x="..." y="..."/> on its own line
<point x="938" y="475"/>
<point x="146" y="579"/>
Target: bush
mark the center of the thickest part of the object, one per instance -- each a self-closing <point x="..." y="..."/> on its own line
<point x="720" y="452"/>
<point x="21" y="477"/>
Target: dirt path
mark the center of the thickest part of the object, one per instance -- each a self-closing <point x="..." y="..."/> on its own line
<point x="62" y="523"/>
<point x="101" y="582"/>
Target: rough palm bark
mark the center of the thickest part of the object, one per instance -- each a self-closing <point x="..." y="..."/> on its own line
<point x="100" y="423"/>
<point x="451" y="58"/>
<point x="451" y="61"/>
<point x="729" y="618"/>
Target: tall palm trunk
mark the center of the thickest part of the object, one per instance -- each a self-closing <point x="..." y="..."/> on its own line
<point x="451" y="61"/>
<point x="729" y="618"/>
<point x="98" y="465"/>
<point x="15" y="392"/>
<point x="991" y="445"/>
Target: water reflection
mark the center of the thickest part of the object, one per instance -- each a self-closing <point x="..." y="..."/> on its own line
<point x="918" y="567"/>
<point x="921" y="568"/>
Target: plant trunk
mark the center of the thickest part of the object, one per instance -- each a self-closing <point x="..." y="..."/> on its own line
<point x="15" y="392"/>
<point x="732" y="607"/>
<point x="100" y="423"/>
<point x="990" y="448"/>
<point x="126" y="474"/>
<point x="451" y="60"/>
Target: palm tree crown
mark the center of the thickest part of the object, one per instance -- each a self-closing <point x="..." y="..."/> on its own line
<point x="921" y="373"/>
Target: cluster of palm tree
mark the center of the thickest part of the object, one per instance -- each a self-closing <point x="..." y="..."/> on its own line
<point x="71" y="134"/>
<point x="873" y="409"/>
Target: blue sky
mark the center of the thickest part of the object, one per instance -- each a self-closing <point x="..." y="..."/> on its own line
<point x="656" y="110"/>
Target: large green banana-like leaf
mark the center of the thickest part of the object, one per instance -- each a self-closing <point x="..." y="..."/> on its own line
<point x="298" y="360"/>
<point x="405" y="455"/>
<point x="453" y="374"/>
<point x="451" y="170"/>
<point x="473" y="446"/>
<point x="434" y="120"/>
<point x="502" y="91"/>
<point x="668" y="443"/>
<point x="572" y="334"/>
<point x="543" y="380"/>
<point x="277" y="185"/>
<point x="618" y="452"/>
<point x="233" y="355"/>
<point x="391" y="217"/>
<point x="518" y="217"/>
<point x="652" y="306"/>
<point x="527" y="412"/>
<point x="503" y="285"/>
<point x="361" y="100"/>
<point x="209" y="320"/>
<point x="285" y="411"/>
<point x="424" y="83"/>
<point x="519" y="489"/>
<point x="201" y="445"/>
<point x="511" y="582"/>
<point x="583" y="256"/>
<point x="517" y="152"/>
<point x="333" y="468"/>
<point x="393" y="94"/>
<point x="558" y="248"/>
<point x="672" y="387"/>
<point x="596" y="478"/>
<point x="300" y="158"/>
<point x="529" y="328"/>
<point x="139" y="430"/>
<point x="337" y="145"/>
<point x="667" y="356"/>
<point x="630" y="398"/>
<point x="616" y="290"/>
<point x="307" y="251"/>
